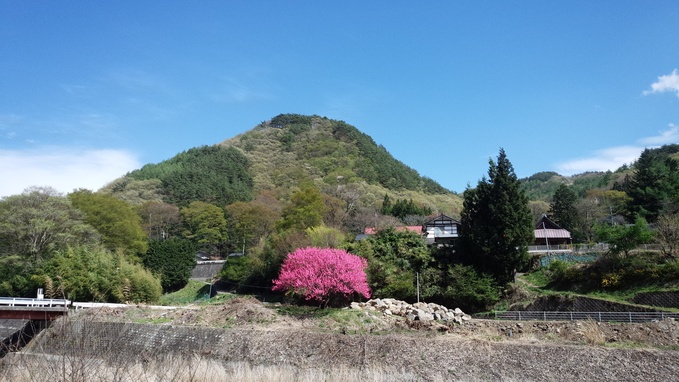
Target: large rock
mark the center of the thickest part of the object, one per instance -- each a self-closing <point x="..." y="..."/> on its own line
<point x="419" y="311"/>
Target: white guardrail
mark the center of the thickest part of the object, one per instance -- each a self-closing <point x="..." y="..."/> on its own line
<point x="34" y="302"/>
<point x="62" y="303"/>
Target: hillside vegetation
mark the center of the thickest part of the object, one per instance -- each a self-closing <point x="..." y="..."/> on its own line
<point x="307" y="181"/>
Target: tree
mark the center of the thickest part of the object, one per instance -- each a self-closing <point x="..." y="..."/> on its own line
<point x="624" y="238"/>
<point x="563" y="211"/>
<point x="667" y="234"/>
<point x="323" y="275"/>
<point x="160" y="220"/>
<point x="117" y="221"/>
<point x="322" y="236"/>
<point x="655" y="184"/>
<point x="173" y="260"/>
<point x="305" y="209"/>
<point x="211" y="174"/>
<point x="250" y="223"/>
<point x="394" y="258"/>
<point x="205" y="225"/>
<point x="496" y="223"/>
<point x="39" y="221"/>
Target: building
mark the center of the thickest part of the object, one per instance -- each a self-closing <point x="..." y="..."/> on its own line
<point x="550" y="234"/>
<point x="441" y="230"/>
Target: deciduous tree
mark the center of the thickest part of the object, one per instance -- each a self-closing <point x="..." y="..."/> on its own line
<point x="624" y="238"/>
<point x="40" y="221"/>
<point x="667" y="234"/>
<point x="205" y="225"/>
<point x="117" y="221"/>
<point x="323" y="275"/>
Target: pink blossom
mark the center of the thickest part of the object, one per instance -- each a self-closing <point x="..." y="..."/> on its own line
<point x="320" y="273"/>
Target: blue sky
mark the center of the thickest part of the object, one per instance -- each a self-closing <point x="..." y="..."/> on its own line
<point x="92" y="90"/>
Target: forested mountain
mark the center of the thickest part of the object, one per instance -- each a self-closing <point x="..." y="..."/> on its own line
<point x="278" y="156"/>
<point x="307" y="181"/>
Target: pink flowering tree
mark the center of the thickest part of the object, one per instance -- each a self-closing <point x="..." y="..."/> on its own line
<point x="325" y="275"/>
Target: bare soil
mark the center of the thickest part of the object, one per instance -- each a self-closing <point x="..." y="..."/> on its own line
<point x="262" y="334"/>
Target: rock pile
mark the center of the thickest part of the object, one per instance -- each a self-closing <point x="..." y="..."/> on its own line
<point x="419" y="311"/>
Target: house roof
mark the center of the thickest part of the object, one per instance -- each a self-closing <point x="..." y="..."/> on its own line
<point x="545" y="222"/>
<point x="545" y="228"/>
<point x="441" y="218"/>
<point x="549" y="233"/>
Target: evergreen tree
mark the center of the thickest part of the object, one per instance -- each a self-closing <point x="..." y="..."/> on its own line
<point x="173" y="260"/>
<point x="496" y="223"/>
<point x="562" y="209"/>
<point x="655" y="184"/>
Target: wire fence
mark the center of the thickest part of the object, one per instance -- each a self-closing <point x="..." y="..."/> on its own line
<point x="629" y="317"/>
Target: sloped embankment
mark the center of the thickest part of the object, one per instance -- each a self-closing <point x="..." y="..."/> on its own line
<point x="428" y="356"/>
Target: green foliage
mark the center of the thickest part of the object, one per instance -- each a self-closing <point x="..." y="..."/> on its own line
<point x="211" y="174"/>
<point x="393" y="259"/>
<point x="614" y="273"/>
<point x="624" y="238"/>
<point x="496" y="223"/>
<point x="325" y="237"/>
<point x="205" y="225"/>
<point x="563" y="210"/>
<point x="469" y="290"/>
<point x="40" y="221"/>
<point x="654" y="187"/>
<point x="403" y="208"/>
<point x="94" y="274"/>
<point x="237" y="270"/>
<point x="305" y="210"/>
<point x="16" y="280"/>
<point x="250" y="223"/>
<point x="173" y="260"/>
<point x="135" y="192"/>
<point x="117" y="221"/>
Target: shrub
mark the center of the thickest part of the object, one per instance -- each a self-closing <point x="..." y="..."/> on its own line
<point x="324" y="275"/>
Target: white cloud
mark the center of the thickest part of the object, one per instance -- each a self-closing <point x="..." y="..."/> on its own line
<point x="667" y="83"/>
<point x="671" y="135"/>
<point x="614" y="157"/>
<point x="63" y="169"/>
<point x="602" y="160"/>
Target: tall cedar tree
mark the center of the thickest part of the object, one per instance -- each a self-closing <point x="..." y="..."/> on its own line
<point x="655" y="184"/>
<point x="496" y="223"/>
<point x="562" y="209"/>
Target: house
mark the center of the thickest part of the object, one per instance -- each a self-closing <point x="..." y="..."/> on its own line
<point x="441" y="230"/>
<point x="550" y="234"/>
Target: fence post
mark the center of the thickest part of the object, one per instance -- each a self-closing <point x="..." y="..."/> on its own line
<point x="599" y="316"/>
<point x="519" y="315"/>
<point x="630" y="317"/>
<point x="544" y="316"/>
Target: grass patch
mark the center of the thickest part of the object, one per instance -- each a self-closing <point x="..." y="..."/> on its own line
<point x="537" y="278"/>
<point x="192" y="292"/>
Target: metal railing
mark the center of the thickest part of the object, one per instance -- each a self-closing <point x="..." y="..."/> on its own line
<point x="576" y="316"/>
<point x="34" y="302"/>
